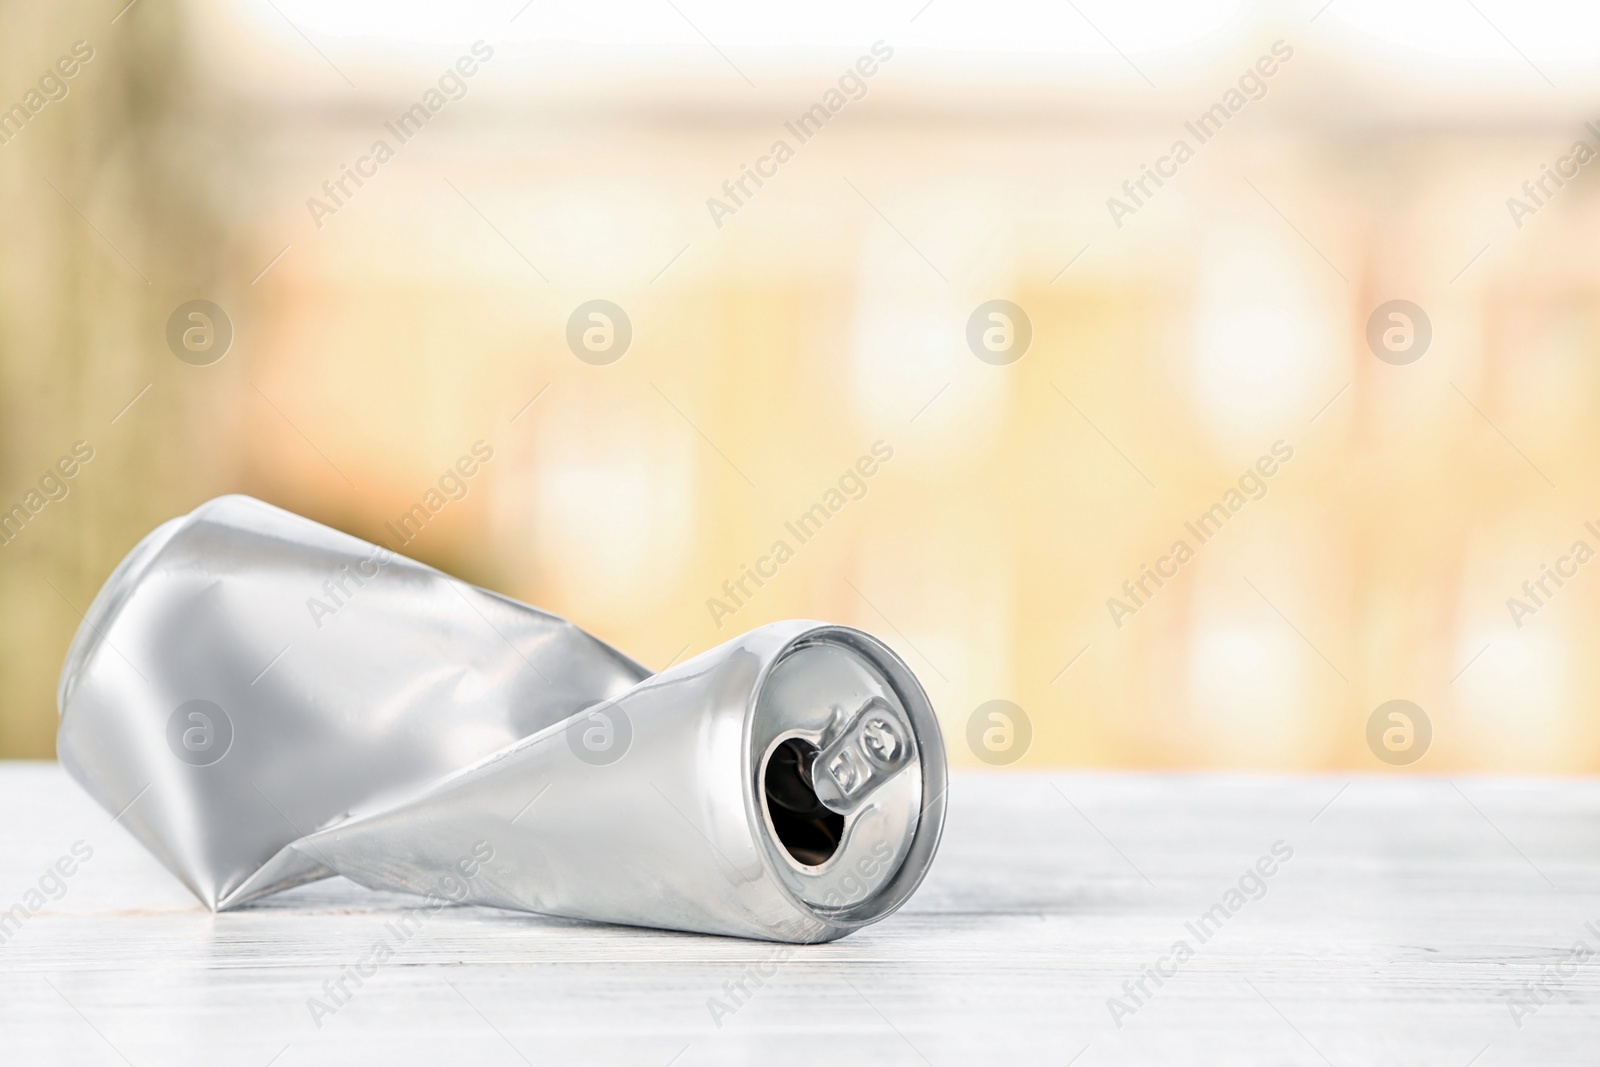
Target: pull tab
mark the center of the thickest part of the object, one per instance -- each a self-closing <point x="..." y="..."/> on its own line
<point x="866" y="751"/>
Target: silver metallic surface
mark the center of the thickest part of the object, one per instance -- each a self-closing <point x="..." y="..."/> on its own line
<point x="268" y="702"/>
<point x="861" y="752"/>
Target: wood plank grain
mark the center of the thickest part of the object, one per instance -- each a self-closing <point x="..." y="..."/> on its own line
<point x="1410" y="913"/>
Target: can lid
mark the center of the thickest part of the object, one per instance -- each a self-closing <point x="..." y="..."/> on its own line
<point x="841" y="775"/>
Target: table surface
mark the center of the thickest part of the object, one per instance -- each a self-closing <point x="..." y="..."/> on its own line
<point x="1407" y="926"/>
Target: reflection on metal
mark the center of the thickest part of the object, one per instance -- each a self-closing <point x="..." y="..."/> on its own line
<point x="867" y="751"/>
<point x="299" y="703"/>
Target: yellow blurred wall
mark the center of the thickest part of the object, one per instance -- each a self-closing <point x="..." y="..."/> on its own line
<point x="829" y="313"/>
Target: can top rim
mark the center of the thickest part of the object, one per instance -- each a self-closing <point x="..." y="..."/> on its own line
<point x="836" y="922"/>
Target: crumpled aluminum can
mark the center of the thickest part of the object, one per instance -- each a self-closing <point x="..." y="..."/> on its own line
<point x="267" y="702"/>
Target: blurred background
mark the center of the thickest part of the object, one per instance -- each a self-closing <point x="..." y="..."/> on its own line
<point x="381" y="329"/>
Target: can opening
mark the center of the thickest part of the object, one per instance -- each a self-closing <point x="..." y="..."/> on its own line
<point x="806" y="828"/>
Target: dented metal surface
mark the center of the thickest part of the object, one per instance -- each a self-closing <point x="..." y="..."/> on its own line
<point x="268" y="702"/>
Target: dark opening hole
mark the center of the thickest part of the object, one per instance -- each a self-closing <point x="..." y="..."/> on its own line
<point x="808" y="829"/>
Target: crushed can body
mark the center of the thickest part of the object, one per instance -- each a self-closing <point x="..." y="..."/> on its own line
<point x="265" y="701"/>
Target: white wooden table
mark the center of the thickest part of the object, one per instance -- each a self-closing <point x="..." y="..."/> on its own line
<point x="1410" y="914"/>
